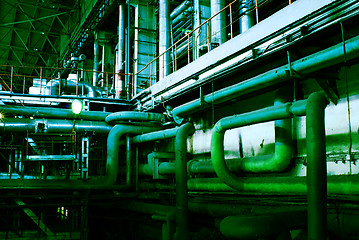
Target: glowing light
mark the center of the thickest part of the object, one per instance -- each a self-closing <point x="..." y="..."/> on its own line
<point x="76" y="106"/>
<point x="2" y="116"/>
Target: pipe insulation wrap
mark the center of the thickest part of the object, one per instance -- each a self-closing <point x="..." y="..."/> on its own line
<point x="52" y="113"/>
<point x="53" y="126"/>
<point x="135" y="116"/>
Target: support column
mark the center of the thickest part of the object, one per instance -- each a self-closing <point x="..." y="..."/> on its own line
<point x="218" y="23"/>
<point x="164" y="38"/>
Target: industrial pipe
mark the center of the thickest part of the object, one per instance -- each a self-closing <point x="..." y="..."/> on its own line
<point x="254" y="227"/>
<point x="247" y="15"/>
<point x="135" y="116"/>
<point x="218" y="22"/>
<point x="182" y="232"/>
<point x="184" y="16"/>
<point x="180" y="8"/>
<point x="95" y="59"/>
<point x="316" y="167"/>
<point x="336" y="185"/>
<point x="164" y="38"/>
<point x="217" y="146"/>
<point x="120" y="83"/>
<point x="52" y="126"/>
<point x="41" y="112"/>
<point x="52" y="88"/>
<point x="306" y="65"/>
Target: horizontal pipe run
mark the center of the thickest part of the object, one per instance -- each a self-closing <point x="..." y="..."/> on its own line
<point x="48" y="112"/>
<point x="23" y="125"/>
<point x="154" y="136"/>
<point x="336" y="185"/>
<point x="134" y="117"/>
<point x="315" y="62"/>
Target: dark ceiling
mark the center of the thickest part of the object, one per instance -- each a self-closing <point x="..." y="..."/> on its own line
<point x="30" y="31"/>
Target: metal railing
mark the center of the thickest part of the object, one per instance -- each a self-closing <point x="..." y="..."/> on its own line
<point x="35" y="80"/>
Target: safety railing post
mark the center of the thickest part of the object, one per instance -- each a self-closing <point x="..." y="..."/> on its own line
<point x="151" y="74"/>
<point x="77" y="83"/>
<point x="175" y="57"/>
<point x="208" y="44"/>
<point x="188" y="53"/>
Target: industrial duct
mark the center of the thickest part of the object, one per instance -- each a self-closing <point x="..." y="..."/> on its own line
<point x="69" y="86"/>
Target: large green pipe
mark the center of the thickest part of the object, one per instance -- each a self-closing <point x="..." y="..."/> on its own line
<point x="316" y="168"/>
<point x="309" y="64"/>
<point x="134" y="116"/>
<point x="336" y="185"/>
<point x="52" y="126"/>
<point x="48" y="112"/>
<point x="217" y="143"/>
<point x="182" y="232"/>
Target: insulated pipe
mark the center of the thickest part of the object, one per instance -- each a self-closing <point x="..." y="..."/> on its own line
<point x="135" y="116"/>
<point x="336" y="184"/>
<point x="180" y="8"/>
<point x="154" y="136"/>
<point x="120" y="83"/>
<point x="247" y="16"/>
<point x="113" y="145"/>
<point x="309" y="64"/>
<point x="218" y="23"/>
<point x="254" y="227"/>
<point x="95" y="59"/>
<point x="182" y="231"/>
<point x="316" y="168"/>
<point x="217" y="143"/>
<point x="164" y="38"/>
<point x="182" y="17"/>
<point x="48" y="112"/>
<point x="53" y="126"/>
<point x="52" y="88"/>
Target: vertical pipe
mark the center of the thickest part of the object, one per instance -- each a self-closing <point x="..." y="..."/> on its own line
<point x="40" y="80"/>
<point x="218" y="23"/>
<point x="247" y="20"/>
<point x="164" y="38"/>
<point x="182" y="232"/>
<point x="127" y="52"/>
<point x="231" y="19"/>
<point x="316" y="168"/>
<point x="23" y="85"/>
<point x="12" y="74"/>
<point x="95" y="60"/>
<point x="119" y="86"/>
<point x="128" y="161"/>
<point x="196" y="34"/>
